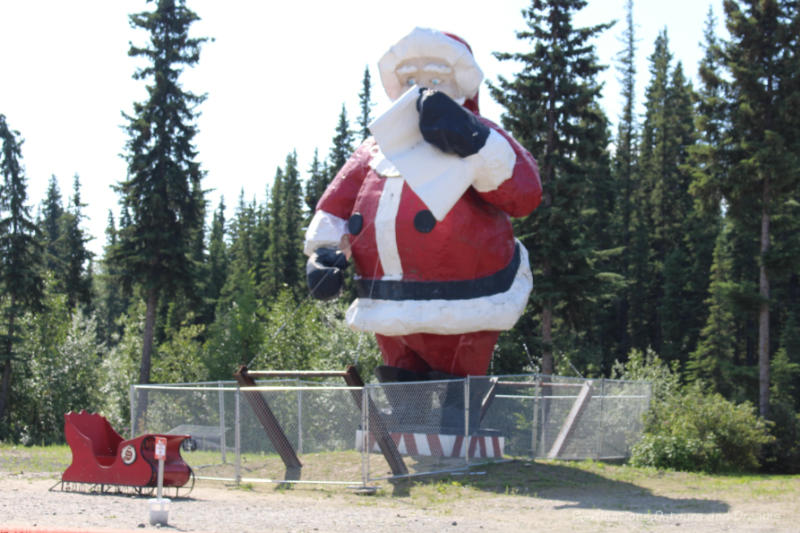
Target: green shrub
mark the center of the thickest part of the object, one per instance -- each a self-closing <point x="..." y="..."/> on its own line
<point x="286" y="335"/>
<point x="56" y="371"/>
<point x="782" y="456"/>
<point x="313" y="335"/>
<point x="647" y="366"/>
<point x="120" y="369"/>
<point x="695" y="430"/>
<point x="688" y="428"/>
<point x="676" y="453"/>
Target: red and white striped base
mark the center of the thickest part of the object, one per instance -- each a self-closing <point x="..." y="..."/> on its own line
<point x="438" y="445"/>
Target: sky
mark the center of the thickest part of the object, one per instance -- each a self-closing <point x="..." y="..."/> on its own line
<point x="276" y="76"/>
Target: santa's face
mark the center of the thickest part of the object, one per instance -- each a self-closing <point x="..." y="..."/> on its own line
<point x="428" y="73"/>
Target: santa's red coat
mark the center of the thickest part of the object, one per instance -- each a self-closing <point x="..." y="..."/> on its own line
<point x="396" y="247"/>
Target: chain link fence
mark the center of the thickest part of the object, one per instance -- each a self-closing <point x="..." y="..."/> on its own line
<point x="307" y="431"/>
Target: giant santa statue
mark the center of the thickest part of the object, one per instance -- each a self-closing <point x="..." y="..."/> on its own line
<point x="423" y="209"/>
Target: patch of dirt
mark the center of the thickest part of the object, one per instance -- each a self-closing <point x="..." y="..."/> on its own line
<point x="565" y="499"/>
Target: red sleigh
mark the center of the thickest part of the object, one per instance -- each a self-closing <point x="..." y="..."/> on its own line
<point x="101" y="457"/>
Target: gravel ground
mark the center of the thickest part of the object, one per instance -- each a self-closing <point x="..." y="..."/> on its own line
<point x="27" y="504"/>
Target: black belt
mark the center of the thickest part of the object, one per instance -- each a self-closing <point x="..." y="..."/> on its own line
<point x="495" y="283"/>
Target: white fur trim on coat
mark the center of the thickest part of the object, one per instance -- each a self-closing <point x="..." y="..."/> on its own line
<point x="493" y="164"/>
<point x="385" y="228"/>
<point x="445" y="317"/>
<point x="326" y="230"/>
<point x="424" y="42"/>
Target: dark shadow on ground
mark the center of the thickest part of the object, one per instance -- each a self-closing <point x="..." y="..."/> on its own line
<point x="577" y="488"/>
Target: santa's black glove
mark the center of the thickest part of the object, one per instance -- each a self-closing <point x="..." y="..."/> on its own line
<point x="324" y="273"/>
<point x="449" y="126"/>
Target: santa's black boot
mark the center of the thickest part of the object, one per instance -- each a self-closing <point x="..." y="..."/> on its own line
<point x="404" y="400"/>
<point x="449" y="419"/>
<point x="478" y="389"/>
<point x="452" y="415"/>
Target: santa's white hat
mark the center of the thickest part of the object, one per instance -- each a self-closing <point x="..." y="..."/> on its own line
<point x="424" y="42"/>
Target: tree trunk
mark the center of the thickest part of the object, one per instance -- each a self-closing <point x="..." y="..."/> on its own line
<point x="548" y="175"/>
<point x="547" y="339"/>
<point x="147" y="351"/>
<point x="763" y="313"/>
<point x="5" y="393"/>
<point x="6" y="387"/>
<point x="147" y="339"/>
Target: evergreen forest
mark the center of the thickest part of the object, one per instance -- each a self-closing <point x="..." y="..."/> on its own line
<point x="666" y="249"/>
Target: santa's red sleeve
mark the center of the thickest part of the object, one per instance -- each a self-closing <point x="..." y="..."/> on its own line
<point x="329" y="224"/>
<point x="517" y="188"/>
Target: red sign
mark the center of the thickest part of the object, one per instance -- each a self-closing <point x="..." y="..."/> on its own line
<point x="161" y="447"/>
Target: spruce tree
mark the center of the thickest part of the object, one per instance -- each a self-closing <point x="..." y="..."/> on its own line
<point x="790" y="348"/>
<point x="596" y="349"/>
<point x="195" y="290"/>
<point x="661" y="146"/>
<point x="283" y="259"/>
<point x="551" y="108"/>
<point x="342" y="145"/>
<point x="316" y="183"/>
<point x="365" y="105"/>
<point x="687" y="238"/>
<point x="712" y="360"/>
<point x="261" y="236"/>
<point x="161" y="190"/>
<point x="675" y="243"/>
<point x="706" y="171"/>
<point x="242" y="252"/>
<point x="624" y="170"/>
<point x="217" y="259"/>
<point x="50" y="224"/>
<point x="763" y="88"/>
<point x="648" y="256"/>
<point x="66" y="256"/>
<point x="291" y="221"/>
<point x="75" y="256"/>
<point x="715" y="353"/>
<point x="20" y="258"/>
<point x="321" y="173"/>
<point x="112" y="297"/>
<point x="744" y="294"/>
<point x="273" y="260"/>
<point x="785" y="268"/>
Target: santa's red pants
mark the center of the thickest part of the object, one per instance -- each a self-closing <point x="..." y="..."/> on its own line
<point x="460" y="355"/>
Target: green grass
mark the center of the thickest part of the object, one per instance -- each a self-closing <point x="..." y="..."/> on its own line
<point x="519" y="478"/>
<point x="574" y="480"/>
<point x="34" y="459"/>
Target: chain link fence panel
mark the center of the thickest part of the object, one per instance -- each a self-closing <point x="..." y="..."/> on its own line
<point x="434" y="426"/>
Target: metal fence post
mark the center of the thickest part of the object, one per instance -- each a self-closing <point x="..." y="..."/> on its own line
<point x="365" y="435"/>
<point x="222" y="443"/>
<point x="535" y="425"/>
<point x="237" y="436"/>
<point x="299" y="419"/>
<point x="132" y="395"/>
<point x="602" y="426"/>
<point x="466" y="420"/>
<point x="543" y="438"/>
